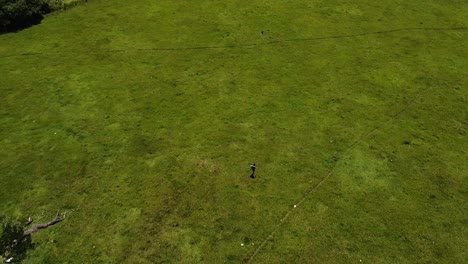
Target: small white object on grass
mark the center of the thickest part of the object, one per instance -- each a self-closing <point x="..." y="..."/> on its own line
<point x="242" y="244"/>
<point x="295" y="206"/>
<point x="9" y="260"/>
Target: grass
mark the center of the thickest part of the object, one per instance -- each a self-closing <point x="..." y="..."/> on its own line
<point x="148" y="150"/>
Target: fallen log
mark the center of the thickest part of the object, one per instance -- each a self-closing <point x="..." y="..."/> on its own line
<point x="38" y="227"/>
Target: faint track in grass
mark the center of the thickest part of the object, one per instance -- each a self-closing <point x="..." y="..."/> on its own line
<point x="243" y="45"/>
<point x="313" y="188"/>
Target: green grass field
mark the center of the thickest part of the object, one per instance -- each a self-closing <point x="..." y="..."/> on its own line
<point x="140" y="118"/>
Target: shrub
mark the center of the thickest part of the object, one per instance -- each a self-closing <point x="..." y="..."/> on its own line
<point x="11" y="231"/>
<point x="19" y="14"/>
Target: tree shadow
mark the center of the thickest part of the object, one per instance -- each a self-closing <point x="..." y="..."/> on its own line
<point x="21" y="24"/>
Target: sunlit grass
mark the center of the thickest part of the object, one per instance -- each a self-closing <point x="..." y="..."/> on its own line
<point x="149" y="150"/>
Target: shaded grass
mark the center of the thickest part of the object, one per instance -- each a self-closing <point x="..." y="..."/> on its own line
<point x="151" y="149"/>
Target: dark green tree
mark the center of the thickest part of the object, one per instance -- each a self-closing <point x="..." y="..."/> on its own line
<point x="13" y="243"/>
<point x="19" y="14"/>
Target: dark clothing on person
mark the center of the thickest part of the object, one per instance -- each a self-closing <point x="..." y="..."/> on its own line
<point x="253" y="167"/>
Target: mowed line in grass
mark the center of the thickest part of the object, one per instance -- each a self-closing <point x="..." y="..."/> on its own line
<point x="339" y="158"/>
<point x="248" y="45"/>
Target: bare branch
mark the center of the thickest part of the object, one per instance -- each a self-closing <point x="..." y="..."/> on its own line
<point x="36" y="228"/>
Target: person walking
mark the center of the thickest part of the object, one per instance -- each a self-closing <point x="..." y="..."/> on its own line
<point x="253" y="167"/>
